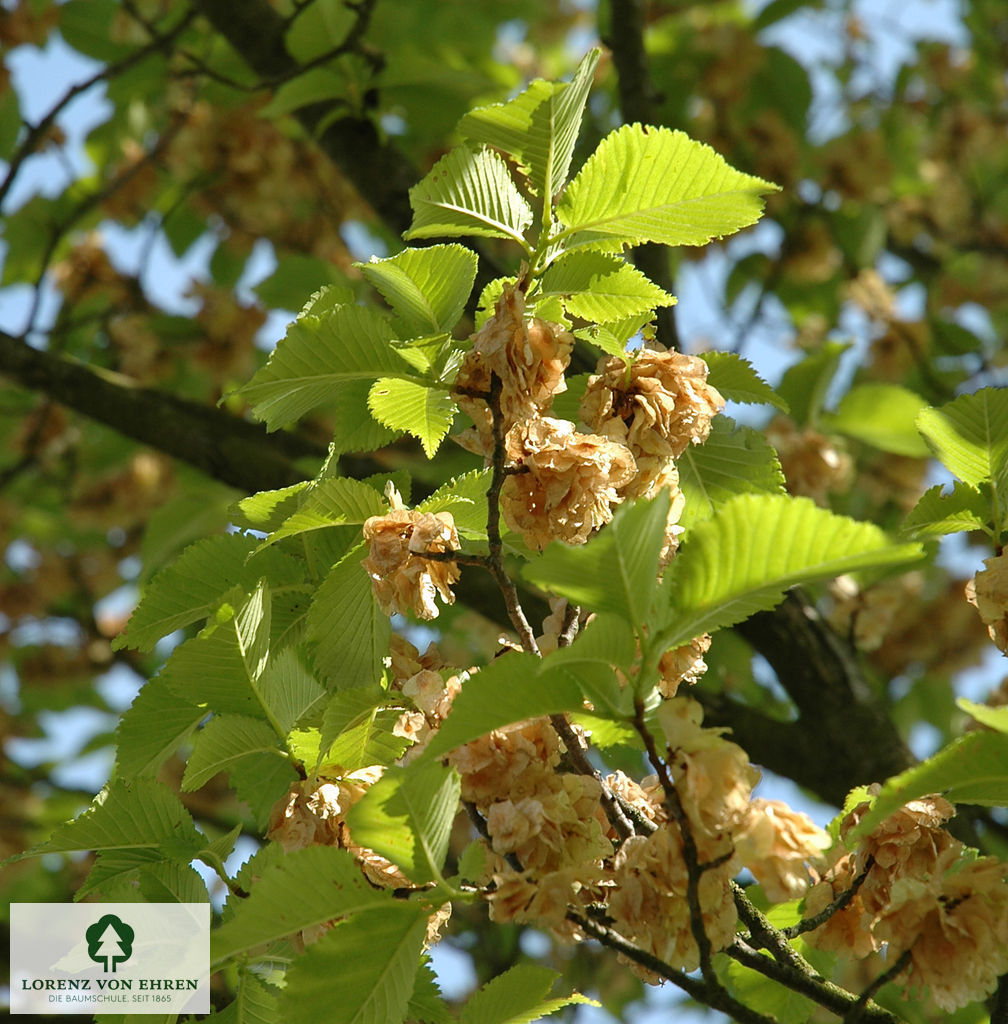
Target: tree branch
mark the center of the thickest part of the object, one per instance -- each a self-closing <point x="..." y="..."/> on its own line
<point x="229" y="449"/>
<point x="637" y="97"/>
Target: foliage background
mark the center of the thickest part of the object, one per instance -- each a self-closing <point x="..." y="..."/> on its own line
<point x="161" y="224"/>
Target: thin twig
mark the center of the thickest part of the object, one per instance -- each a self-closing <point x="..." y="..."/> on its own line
<point x="810" y="924"/>
<point x="694" y="870"/>
<point x="856" y="1012"/>
<point x="494" y="540"/>
<point x="815" y="987"/>
<point x="37" y="131"/>
<point x="702" y="990"/>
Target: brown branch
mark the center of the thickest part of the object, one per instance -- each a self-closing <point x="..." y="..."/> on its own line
<point x="637" y="99"/>
<point x="713" y="996"/>
<point x="816" y="988"/>
<point x="845" y="735"/>
<point x="809" y="924"/>
<point x="234" y="451"/>
<point x="857" y="1011"/>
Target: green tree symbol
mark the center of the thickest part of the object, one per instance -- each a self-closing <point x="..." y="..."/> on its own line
<point x="110" y="940"/>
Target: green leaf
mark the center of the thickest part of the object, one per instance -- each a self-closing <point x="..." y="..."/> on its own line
<point x="208" y="670"/>
<point x="155" y="726"/>
<point x="881" y="415"/>
<point x="805" y="384"/>
<point x="425" y="412"/>
<point x="539" y="127"/>
<point x="465" y="498"/>
<point x="970" y="770"/>
<point x="260" y="780"/>
<point x="964" y="508"/>
<point x="600" y="287"/>
<point x="735" y="378"/>
<point x="317" y="29"/>
<point x="136" y="815"/>
<point x="752" y="549"/>
<point x="603" y="644"/>
<point x="612" y="338"/>
<point x="266" y="510"/>
<point x="296" y="277"/>
<point x="469" y="192"/>
<point x="255" y="1002"/>
<point x="426" y="1005"/>
<point x="473" y="861"/>
<point x="224" y="740"/>
<point x="330" y="361"/>
<point x="313" y="86"/>
<point x="767" y="996"/>
<point x="507" y="690"/>
<point x="426" y="288"/>
<point x="346" y="710"/>
<point x="370" y="961"/>
<point x="656" y="185"/>
<point x="993" y="718"/>
<point x="307" y="888"/>
<point x="10" y="122"/>
<point x="616" y="570"/>
<point x="252" y="623"/>
<point x="195" y="584"/>
<point x="288" y="691"/>
<point x="348" y="628"/>
<point x="336" y="501"/>
<point x="733" y="460"/>
<point x="407" y="815"/>
<point x="969" y="435"/>
<point x="368" y="741"/>
<point x="171" y="882"/>
<point x="518" y="996"/>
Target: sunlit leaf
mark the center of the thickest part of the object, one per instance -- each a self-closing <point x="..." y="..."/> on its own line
<point x="970" y="770"/>
<point x="881" y="415"/>
<point x="307" y="888"/>
<point x="407" y="817"/>
<point x="656" y="185"/>
<point x="736" y="380"/>
<point x="599" y="287"/>
<point x="733" y="460"/>
<point x="970" y="437"/>
<point x="330" y="361"/>
<point x="426" y="288"/>
<point x="518" y="996"/>
<point x="538" y="127"/>
<point x="224" y="740"/>
<point x="937" y="512"/>
<point x="425" y="412"/>
<point x="616" y="570"/>
<point x="156" y="724"/>
<point x="469" y="192"/>
<point x="370" y="961"/>
<point x="755" y="546"/>
<point x="349" y="630"/>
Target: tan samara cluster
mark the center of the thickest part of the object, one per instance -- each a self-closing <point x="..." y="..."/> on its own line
<point x="555" y="853"/>
<point x="924" y="892"/>
<point x="643" y="410"/>
<point x="562" y="484"/>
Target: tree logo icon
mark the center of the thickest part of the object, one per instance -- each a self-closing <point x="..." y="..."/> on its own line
<point x="110" y="942"/>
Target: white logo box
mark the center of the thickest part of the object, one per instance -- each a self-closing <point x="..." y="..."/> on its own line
<point x="110" y="958"/>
